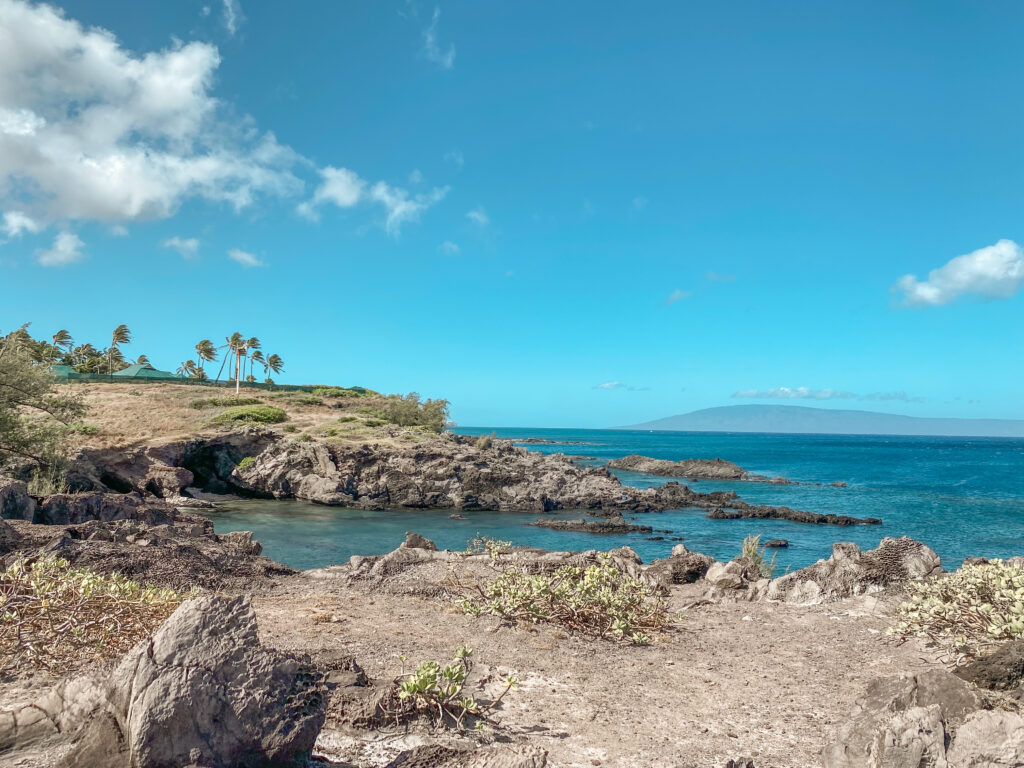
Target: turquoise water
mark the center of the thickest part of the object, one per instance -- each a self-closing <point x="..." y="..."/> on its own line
<point x="961" y="496"/>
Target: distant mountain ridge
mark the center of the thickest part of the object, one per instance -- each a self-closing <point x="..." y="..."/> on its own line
<point x="798" y="419"/>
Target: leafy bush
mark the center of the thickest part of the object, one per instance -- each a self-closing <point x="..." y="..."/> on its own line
<point x="481" y="544"/>
<point x="965" y="613"/>
<point x="305" y="400"/>
<point x="247" y="462"/>
<point x="599" y="600"/>
<point x="409" y="411"/>
<point x="753" y="551"/>
<point x="224" y="402"/>
<point x="375" y="422"/>
<point x="255" y="414"/>
<point x="84" y="429"/>
<point x="305" y="438"/>
<point x="289" y="428"/>
<point x="438" y="693"/>
<point x="53" y="614"/>
<point x="346" y="419"/>
<point x="343" y="392"/>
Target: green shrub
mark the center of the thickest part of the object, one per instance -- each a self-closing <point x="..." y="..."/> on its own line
<point x="84" y="429"/>
<point x="305" y="438"/>
<point x="253" y="414"/>
<point x="438" y="693"/>
<point x="343" y="392"/>
<point x="599" y="600"/>
<point x="55" y="616"/>
<point x="346" y="419"/>
<point x="484" y="442"/>
<point x="224" y="402"/>
<point x="752" y="550"/>
<point x="481" y="544"/>
<point x="289" y="428"/>
<point x="965" y="613"/>
<point x="305" y="400"/>
<point x="375" y="422"/>
<point x="247" y="462"/>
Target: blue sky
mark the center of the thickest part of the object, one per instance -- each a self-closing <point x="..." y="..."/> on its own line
<point x="551" y="214"/>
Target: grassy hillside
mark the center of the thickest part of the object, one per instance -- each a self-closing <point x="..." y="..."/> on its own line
<point x="131" y="414"/>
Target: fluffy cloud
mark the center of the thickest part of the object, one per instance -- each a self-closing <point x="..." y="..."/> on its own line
<point x="677" y="295"/>
<point x="244" y="258"/>
<point x="89" y="130"/>
<point x="187" y="247"/>
<point x="610" y="385"/>
<point x="797" y="393"/>
<point x="16" y="222"/>
<point x="345" y="189"/>
<point x="443" y="58"/>
<point x="233" y="16"/>
<point x="66" y="249"/>
<point x="479" y="216"/>
<point x="993" y="272"/>
<point x="449" y="248"/>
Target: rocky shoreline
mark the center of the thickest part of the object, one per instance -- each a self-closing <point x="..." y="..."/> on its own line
<point x="448" y="472"/>
<point x="701" y="469"/>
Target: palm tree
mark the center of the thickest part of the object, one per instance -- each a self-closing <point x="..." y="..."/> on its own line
<point x="205" y="352"/>
<point x="187" y="368"/>
<point x="273" y="363"/>
<point x="143" y="360"/>
<point x="121" y="335"/>
<point x="63" y="339"/>
<point x="253" y="344"/>
<point x="256" y="358"/>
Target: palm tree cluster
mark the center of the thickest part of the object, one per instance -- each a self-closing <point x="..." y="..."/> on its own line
<point x="242" y="353"/>
<point x="83" y="358"/>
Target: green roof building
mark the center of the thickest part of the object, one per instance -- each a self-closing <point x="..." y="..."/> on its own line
<point x="144" y="371"/>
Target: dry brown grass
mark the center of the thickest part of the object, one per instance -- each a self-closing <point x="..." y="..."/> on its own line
<point x="139" y="413"/>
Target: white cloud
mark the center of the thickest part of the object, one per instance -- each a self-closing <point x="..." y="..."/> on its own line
<point x="993" y="272"/>
<point x="187" y="247"/>
<point x="796" y="393"/>
<point x="340" y="186"/>
<point x="640" y="202"/>
<point x="610" y="385"/>
<point x="17" y="222"/>
<point x="119" y="230"/>
<point x="449" y="248"/>
<point x="455" y="156"/>
<point x="415" y="177"/>
<point x="400" y="207"/>
<point x="66" y="249"/>
<point x="89" y="130"/>
<point x="233" y="16"/>
<point x="445" y="59"/>
<point x="479" y="216"/>
<point x="244" y="258"/>
<point x="677" y="295"/>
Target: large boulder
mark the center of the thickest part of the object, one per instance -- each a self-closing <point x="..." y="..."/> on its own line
<point x="73" y="508"/>
<point x="849" y="572"/>
<point x="204" y="692"/>
<point x="989" y="739"/>
<point x="902" y="722"/>
<point x="9" y="538"/>
<point x="15" y="503"/>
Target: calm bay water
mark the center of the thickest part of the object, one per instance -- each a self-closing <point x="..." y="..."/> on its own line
<point x="961" y="496"/>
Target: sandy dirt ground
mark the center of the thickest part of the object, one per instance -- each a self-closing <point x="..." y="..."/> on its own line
<point x="756" y="680"/>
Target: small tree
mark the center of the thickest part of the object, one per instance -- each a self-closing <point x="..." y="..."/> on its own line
<point x="34" y="418"/>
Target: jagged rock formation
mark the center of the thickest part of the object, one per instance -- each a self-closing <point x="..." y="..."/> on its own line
<point x="201" y="692"/>
<point x="850" y="572"/>
<point x="15" y="503"/>
<point x="448" y="472"/>
<point x="1002" y="670"/>
<point x="740" y="511"/>
<point x="707" y="469"/>
<point x="683" y="567"/>
<point x="933" y="719"/>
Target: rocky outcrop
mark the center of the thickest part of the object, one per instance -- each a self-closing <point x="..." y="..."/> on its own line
<point x="710" y="469"/>
<point x="9" y="538"/>
<point x="15" y="503"/>
<point x="615" y="524"/>
<point x="850" y="572"/>
<point x="683" y="567"/>
<point x="443" y="472"/>
<point x="748" y="511"/>
<point x="71" y="508"/>
<point x="929" y="720"/>
<point x="202" y="691"/>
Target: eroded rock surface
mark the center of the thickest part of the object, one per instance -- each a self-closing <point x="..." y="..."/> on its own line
<point x="15" y="503"/>
<point x="849" y="572"/>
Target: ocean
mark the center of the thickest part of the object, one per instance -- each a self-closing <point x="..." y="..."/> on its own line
<point x="961" y="496"/>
